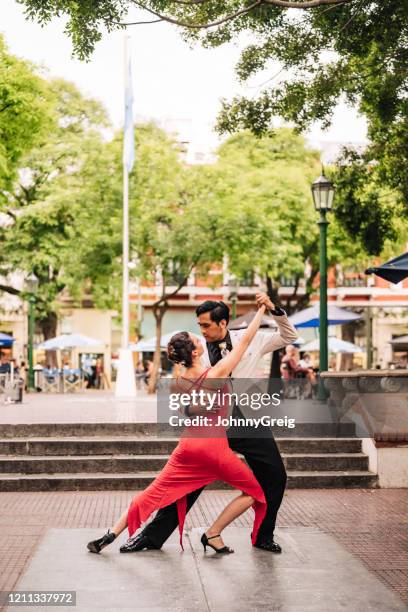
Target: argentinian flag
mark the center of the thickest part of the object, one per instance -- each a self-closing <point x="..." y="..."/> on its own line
<point x="129" y="138"/>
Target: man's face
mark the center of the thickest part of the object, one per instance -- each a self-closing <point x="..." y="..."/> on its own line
<point x="211" y="330"/>
<point x="197" y="344"/>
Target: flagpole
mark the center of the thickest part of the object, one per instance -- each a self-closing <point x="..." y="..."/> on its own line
<point x="125" y="382"/>
<point x="125" y="257"/>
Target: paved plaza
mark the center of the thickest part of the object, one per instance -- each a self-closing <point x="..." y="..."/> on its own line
<point x="85" y="407"/>
<point x="343" y="550"/>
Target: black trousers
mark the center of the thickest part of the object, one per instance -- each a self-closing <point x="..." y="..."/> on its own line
<point x="263" y="457"/>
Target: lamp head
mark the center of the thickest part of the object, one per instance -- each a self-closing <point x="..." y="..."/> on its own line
<point x="323" y="193"/>
<point x="31" y="283"/>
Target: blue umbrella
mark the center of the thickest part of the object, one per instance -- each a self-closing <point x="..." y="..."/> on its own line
<point x="310" y="316"/>
<point x="6" y="340"/>
<point x="393" y="271"/>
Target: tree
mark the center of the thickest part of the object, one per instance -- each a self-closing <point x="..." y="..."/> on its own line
<point x="328" y="50"/>
<point x="25" y="113"/>
<point x="43" y="217"/>
<point x="269" y="201"/>
<point x="174" y="229"/>
<point x="173" y="215"/>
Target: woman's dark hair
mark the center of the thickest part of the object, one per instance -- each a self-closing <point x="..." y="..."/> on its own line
<point x="180" y="348"/>
<point x="219" y="311"/>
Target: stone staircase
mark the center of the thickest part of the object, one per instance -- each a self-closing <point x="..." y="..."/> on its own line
<point x="127" y="456"/>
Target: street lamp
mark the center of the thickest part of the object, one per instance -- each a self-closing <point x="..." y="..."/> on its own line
<point x="233" y="296"/>
<point x="31" y="286"/>
<point x="323" y="194"/>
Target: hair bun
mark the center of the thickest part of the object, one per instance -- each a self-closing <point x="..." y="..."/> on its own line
<point x="180" y="349"/>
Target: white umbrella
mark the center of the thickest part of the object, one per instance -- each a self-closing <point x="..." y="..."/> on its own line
<point x="69" y="341"/>
<point x="335" y="346"/>
<point x="149" y="346"/>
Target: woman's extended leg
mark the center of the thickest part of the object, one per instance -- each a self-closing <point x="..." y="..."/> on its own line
<point x="233" y="510"/>
<point x="235" y="472"/>
<point x="97" y="545"/>
<point x="121" y="524"/>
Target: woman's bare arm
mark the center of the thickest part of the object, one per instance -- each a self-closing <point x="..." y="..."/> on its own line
<point x="224" y="367"/>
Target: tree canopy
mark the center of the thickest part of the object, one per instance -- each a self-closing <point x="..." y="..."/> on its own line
<point x="40" y="233"/>
<point x="327" y="51"/>
<point x="25" y="113"/>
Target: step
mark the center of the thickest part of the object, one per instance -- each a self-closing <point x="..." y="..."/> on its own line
<point x="322" y="462"/>
<point x="132" y="482"/>
<point x="87" y="446"/>
<point x="29" y="430"/>
<point x="147" y="445"/>
<point x="136" y="463"/>
<point x="331" y="480"/>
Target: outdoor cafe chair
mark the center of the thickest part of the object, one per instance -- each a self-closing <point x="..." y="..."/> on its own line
<point x="51" y="380"/>
<point x="3" y="381"/>
<point x="72" y="380"/>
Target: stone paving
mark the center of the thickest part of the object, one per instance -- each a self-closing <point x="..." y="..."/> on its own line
<point x="371" y="525"/>
<point x="313" y="574"/>
<point x="84" y="407"/>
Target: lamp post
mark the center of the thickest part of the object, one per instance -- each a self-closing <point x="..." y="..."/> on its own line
<point x="323" y="194"/>
<point x="31" y="285"/>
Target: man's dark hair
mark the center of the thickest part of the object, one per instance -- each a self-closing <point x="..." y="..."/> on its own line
<point x="218" y="310"/>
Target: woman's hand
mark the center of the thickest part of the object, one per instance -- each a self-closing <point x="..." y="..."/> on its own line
<point x="262" y="299"/>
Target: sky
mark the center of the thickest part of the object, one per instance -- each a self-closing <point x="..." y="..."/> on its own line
<point x="175" y="84"/>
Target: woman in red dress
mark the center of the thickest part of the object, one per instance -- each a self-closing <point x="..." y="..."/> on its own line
<point x="199" y="458"/>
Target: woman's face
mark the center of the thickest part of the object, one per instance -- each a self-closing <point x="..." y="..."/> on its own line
<point x="198" y="346"/>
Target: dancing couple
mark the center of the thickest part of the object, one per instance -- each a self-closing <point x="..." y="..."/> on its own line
<point x="198" y="460"/>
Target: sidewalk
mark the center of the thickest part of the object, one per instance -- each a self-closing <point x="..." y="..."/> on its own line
<point x="86" y="407"/>
<point x="314" y="574"/>
<point x="343" y="550"/>
<point x="103" y="407"/>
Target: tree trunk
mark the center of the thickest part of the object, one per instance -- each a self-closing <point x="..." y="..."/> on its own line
<point x="48" y="326"/>
<point x="348" y="332"/>
<point x="274" y="373"/>
<point x="272" y="291"/>
<point x="158" y="312"/>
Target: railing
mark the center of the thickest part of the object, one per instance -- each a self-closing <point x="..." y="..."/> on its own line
<point x="354" y="281"/>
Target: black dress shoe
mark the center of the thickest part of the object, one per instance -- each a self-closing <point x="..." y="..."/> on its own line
<point x="269" y="545"/>
<point x="96" y="545"/>
<point x="136" y="543"/>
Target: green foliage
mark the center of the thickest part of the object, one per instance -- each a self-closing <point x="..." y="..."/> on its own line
<point x="40" y="234"/>
<point x="85" y="19"/>
<point x="25" y="113"/>
<point x="356" y="51"/>
<point x="365" y="209"/>
<point x="269" y="203"/>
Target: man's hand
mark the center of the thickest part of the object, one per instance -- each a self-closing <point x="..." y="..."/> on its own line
<point x="263" y="300"/>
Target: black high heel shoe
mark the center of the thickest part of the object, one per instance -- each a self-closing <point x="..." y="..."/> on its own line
<point x="96" y="545"/>
<point x="225" y="550"/>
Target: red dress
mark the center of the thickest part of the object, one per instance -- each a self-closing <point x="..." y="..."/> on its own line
<point x="194" y="463"/>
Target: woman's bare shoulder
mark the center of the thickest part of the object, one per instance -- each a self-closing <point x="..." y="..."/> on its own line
<point x="179" y="385"/>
